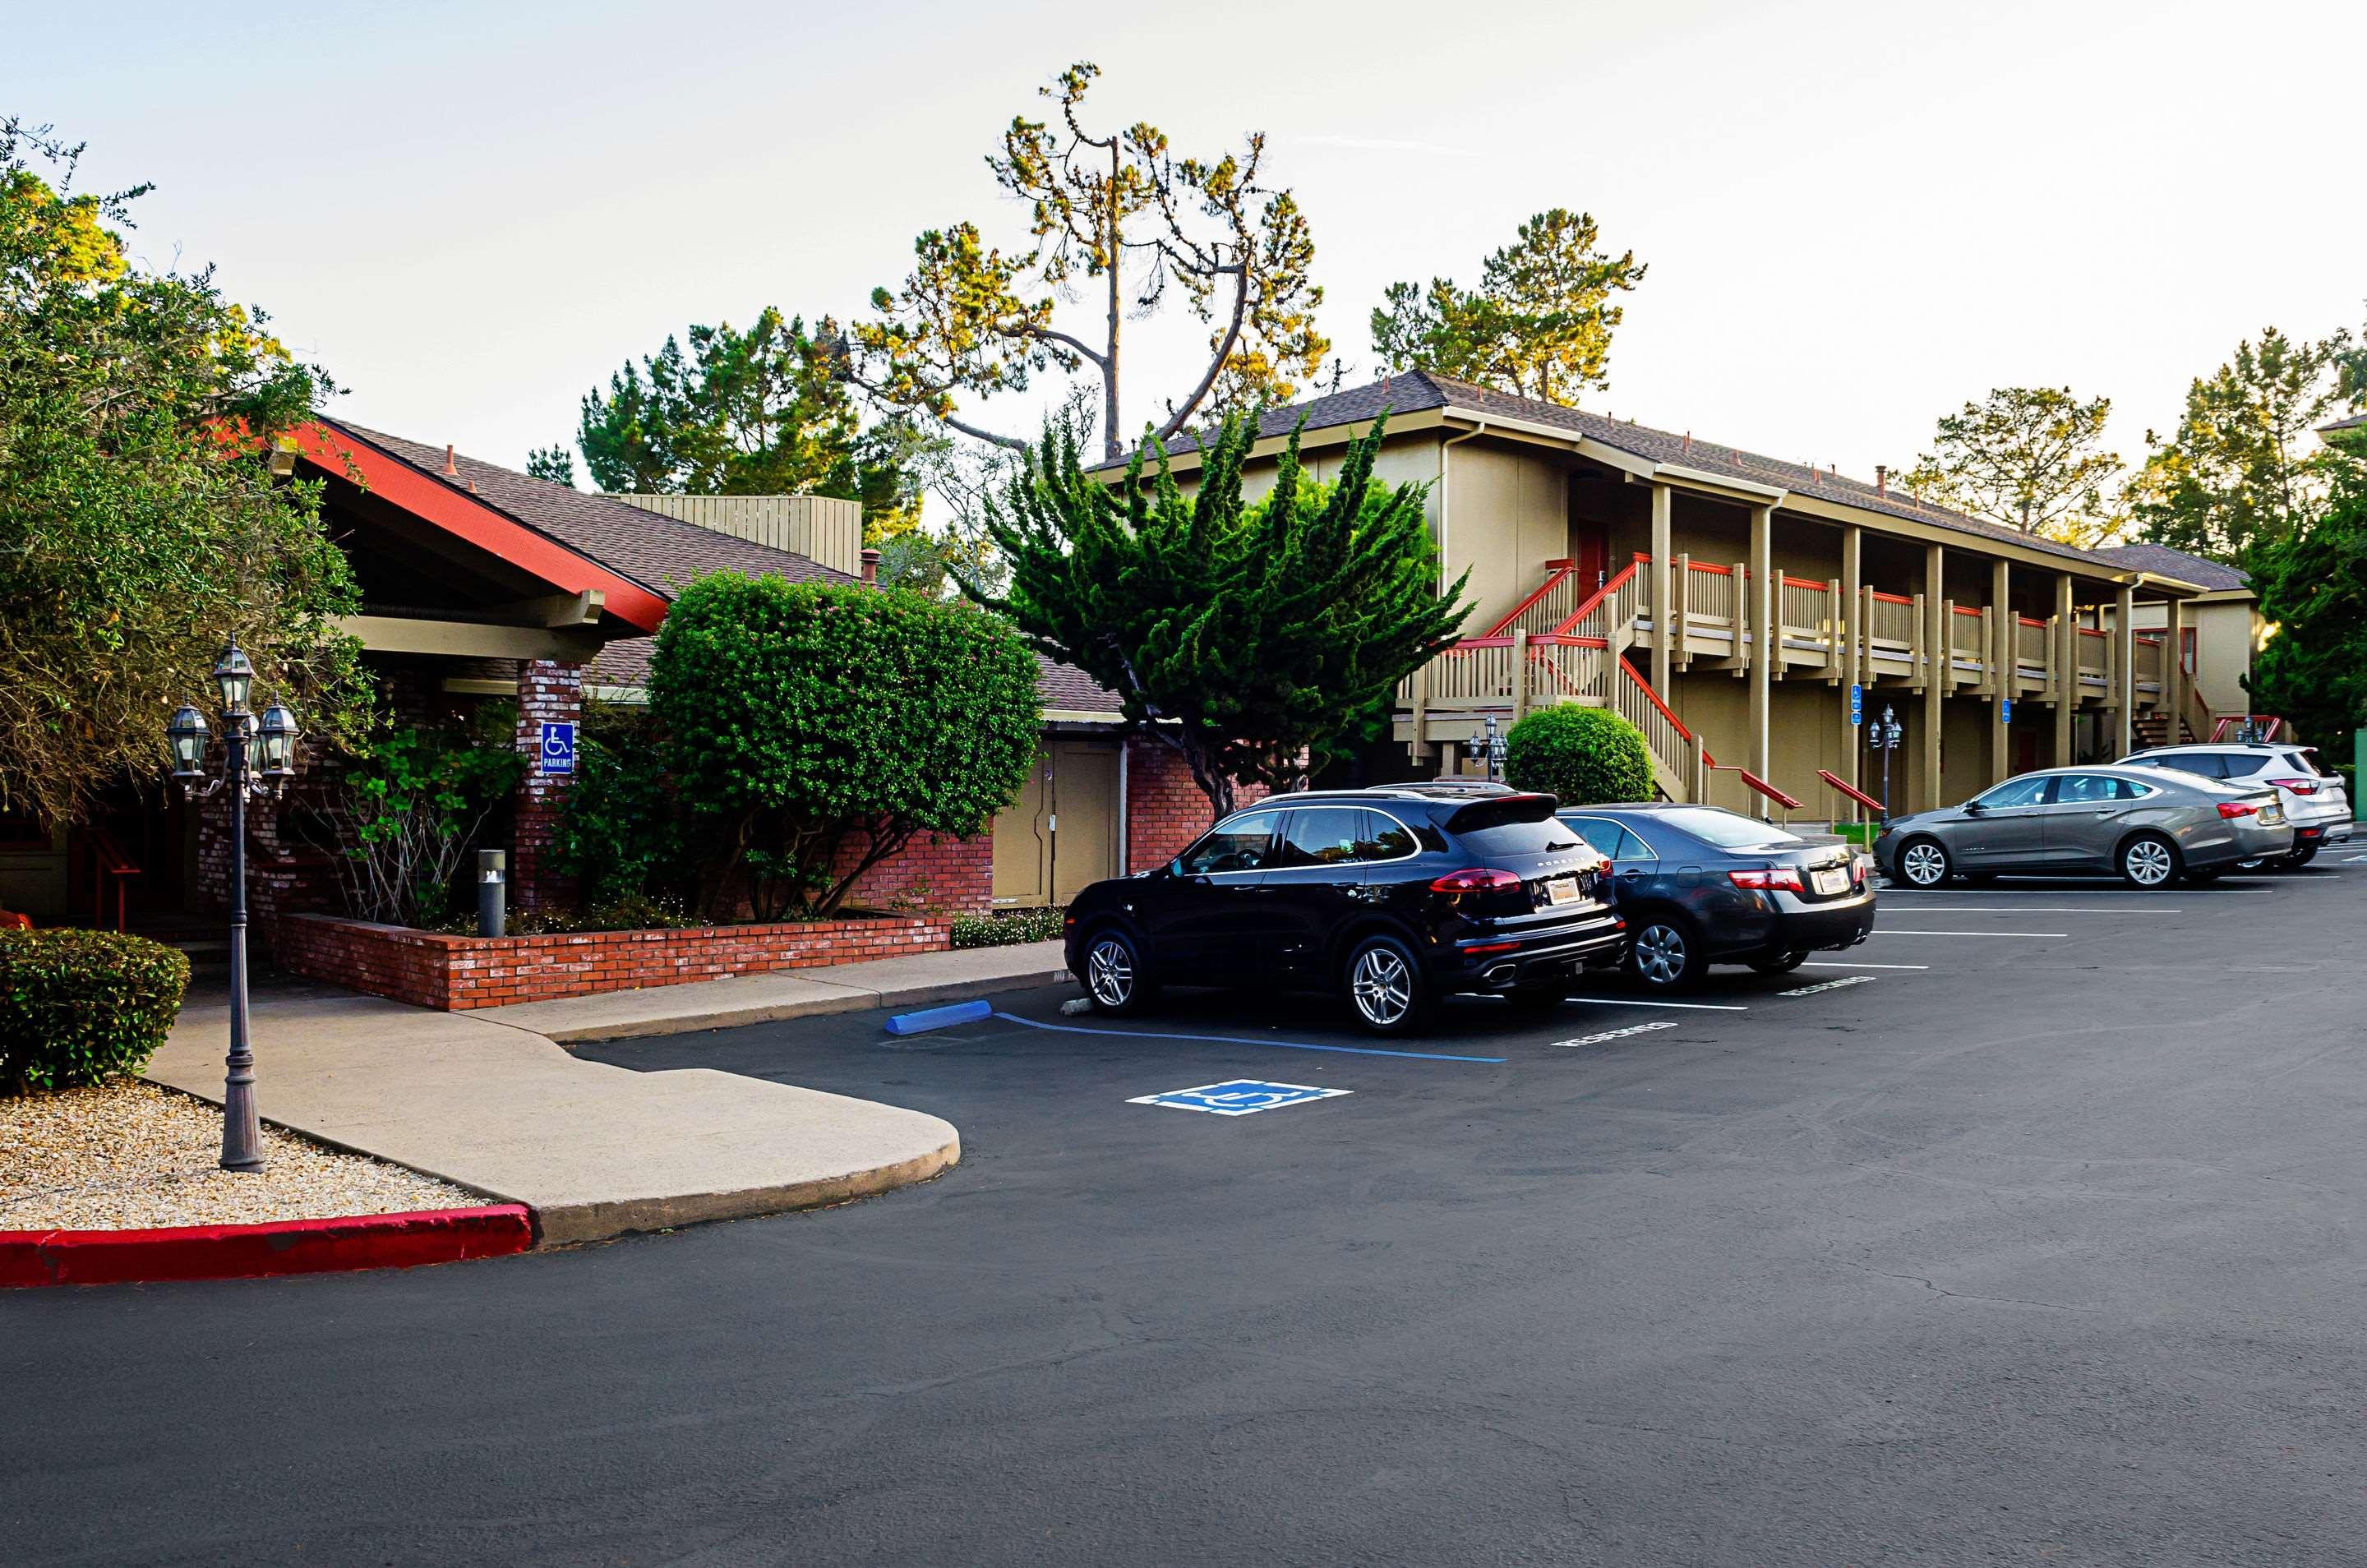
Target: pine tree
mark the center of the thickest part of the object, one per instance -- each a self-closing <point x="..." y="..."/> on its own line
<point x="1254" y="638"/>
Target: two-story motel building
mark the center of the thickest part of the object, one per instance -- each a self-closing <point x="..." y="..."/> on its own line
<point x="1728" y="604"/>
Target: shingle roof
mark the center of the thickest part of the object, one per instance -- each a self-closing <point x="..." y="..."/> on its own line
<point x="2356" y="421"/>
<point x="1065" y="687"/>
<point x="2163" y="561"/>
<point x="659" y="552"/>
<point x="1411" y="390"/>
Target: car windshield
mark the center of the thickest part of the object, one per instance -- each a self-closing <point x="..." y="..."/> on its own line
<point x="1727" y="830"/>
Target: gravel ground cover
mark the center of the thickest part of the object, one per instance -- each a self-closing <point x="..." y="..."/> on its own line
<point x="130" y="1156"/>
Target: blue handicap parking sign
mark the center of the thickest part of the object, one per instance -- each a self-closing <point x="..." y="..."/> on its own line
<point x="1241" y="1097"/>
<point x="1857" y="704"/>
<point x="2005" y="710"/>
<point x="558" y="754"/>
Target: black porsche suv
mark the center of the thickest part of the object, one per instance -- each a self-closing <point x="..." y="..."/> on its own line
<point x="1393" y="897"/>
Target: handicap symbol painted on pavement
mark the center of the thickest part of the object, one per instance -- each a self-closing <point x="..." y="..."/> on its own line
<point x="1240" y="1097"/>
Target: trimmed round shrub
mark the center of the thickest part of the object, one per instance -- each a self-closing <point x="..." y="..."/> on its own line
<point x="1586" y="756"/>
<point x="80" y="1007"/>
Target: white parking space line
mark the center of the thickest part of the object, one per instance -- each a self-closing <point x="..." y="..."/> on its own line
<point x="2045" y="909"/>
<point x="1631" y="1002"/>
<point x="1865" y="965"/>
<point x="1893" y="931"/>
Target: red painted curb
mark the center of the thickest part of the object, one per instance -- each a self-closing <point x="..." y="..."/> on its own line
<point x="253" y="1252"/>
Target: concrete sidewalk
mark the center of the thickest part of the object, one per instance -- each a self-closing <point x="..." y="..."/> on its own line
<point x="595" y="1151"/>
<point x="919" y="980"/>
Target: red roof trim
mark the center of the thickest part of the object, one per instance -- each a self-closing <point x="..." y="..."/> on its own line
<point x="331" y="447"/>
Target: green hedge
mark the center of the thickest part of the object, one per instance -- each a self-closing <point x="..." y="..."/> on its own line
<point x="1587" y="756"/>
<point x="80" y="1007"/>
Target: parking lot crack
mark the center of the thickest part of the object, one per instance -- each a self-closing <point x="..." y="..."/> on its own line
<point x="1965" y="1295"/>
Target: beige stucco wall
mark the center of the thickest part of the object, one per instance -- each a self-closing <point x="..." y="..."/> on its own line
<point x="2226" y="634"/>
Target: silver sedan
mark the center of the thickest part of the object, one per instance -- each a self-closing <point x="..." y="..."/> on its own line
<point x="2151" y="826"/>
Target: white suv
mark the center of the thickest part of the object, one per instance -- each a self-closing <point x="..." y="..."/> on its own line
<point x="2316" y="803"/>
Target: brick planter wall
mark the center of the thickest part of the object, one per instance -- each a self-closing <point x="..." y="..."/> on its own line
<point x="457" y="972"/>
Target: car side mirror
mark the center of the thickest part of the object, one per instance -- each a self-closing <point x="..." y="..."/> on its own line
<point x="1973" y="808"/>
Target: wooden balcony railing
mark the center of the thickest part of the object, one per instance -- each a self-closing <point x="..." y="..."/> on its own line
<point x="1578" y="657"/>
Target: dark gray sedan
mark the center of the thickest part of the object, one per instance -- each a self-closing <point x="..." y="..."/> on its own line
<point x="2151" y="826"/>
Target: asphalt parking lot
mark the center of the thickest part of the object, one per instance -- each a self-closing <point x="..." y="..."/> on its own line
<point x="2029" y="1231"/>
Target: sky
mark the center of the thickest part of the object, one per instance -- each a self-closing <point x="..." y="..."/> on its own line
<point x="1855" y="217"/>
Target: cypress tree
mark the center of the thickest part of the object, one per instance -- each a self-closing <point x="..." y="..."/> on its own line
<point x="1256" y="639"/>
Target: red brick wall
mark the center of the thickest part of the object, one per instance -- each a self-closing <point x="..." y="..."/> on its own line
<point x="546" y="690"/>
<point x="1164" y="810"/>
<point x="933" y="875"/>
<point x="457" y="972"/>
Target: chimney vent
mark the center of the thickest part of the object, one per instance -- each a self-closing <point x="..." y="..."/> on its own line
<point x="870" y="566"/>
<point x="450" y="471"/>
<point x="1882" y="479"/>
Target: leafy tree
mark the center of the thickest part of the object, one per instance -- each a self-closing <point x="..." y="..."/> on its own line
<point x="2313" y="588"/>
<point x="2026" y="457"/>
<point x="1250" y="637"/>
<point x="1123" y="214"/>
<point x="815" y="730"/>
<point x="139" y="525"/>
<point x="623" y="830"/>
<point x="754" y="412"/>
<point x="1587" y="756"/>
<point x="554" y="463"/>
<point x="2241" y="469"/>
<point x="401" y="819"/>
<point x="1539" y="324"/>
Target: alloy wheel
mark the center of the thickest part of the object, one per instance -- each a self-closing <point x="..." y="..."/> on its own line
<point x="1924" y="864"/>
<point x="1382" y="986"/>
<point x="1660" y="954"/>
<point x="1109" y="972"/>
<point x="2147" y="862"/>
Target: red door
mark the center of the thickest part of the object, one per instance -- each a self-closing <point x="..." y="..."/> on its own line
<point x="1589" y="547"/>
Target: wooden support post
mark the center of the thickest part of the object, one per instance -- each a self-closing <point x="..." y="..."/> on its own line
<point x="1520" y="675"/>
<point x="2065" y="657"/>
<point x="1418" y="746"/>
<point x="1832" y="631"/>
<point x="1853" y="658"/>
<point x="2004" y="667"/>
<point x="2173" y="669"/>
<point x="1766" y="628"/>
<point x="1663" y="549"/>
<point x="1939" y="618"/>
<point x="1682" y="620"/>
<point x="1740" y="620"/>
<point x="2124" y="673"/>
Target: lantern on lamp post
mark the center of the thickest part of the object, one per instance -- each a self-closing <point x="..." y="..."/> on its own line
<point x="259" y="758"/>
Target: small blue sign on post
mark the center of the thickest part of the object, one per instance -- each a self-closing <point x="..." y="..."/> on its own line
<point x="1857" y="704"/>
<point x="2005" y="710"/>
<point x="558" y="754"/>
<point x="1238" y="1097"/>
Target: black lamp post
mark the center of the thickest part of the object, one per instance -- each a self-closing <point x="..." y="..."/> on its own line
<point x="264" y="771"/>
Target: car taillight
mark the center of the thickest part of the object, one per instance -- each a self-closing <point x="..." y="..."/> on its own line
<point x="1475" y="879"/>
<point x="2299" y="786"/>
<point x="1770" y="880"/>
<point x="2231" y="810"/>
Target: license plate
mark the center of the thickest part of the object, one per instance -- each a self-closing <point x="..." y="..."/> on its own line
<point x="1827" y="883"/>
<point x="2273" y="815"/>
<point x="1562" y="890"/>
